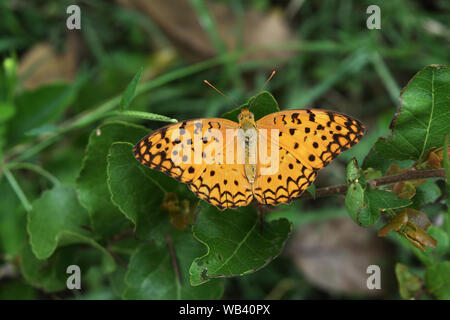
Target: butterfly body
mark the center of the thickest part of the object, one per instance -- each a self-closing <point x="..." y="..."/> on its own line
<point x="272" y="160"/>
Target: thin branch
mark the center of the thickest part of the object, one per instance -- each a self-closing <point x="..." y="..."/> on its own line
<point x="173" y="257"/>
<point x="405" y="176"/>
<point x="35" y="168"/>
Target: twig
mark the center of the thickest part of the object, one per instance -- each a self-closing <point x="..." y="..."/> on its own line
<point x="174" y="258"/>
<point x="117" y="257"/>
<point x="405" y="176"/>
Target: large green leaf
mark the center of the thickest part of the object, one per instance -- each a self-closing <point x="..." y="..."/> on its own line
<point x="57" y="219"/>
<point x="139" y="191"/>
<point x="92" y="187"/>
<point x="236" y="243"/>
<point x="152" y="272"/>
<point x="260" y="105"/>
<point x="424" y="116"/>
<point x="437" y="279"/>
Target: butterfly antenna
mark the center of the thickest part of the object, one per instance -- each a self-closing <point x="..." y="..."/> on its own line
<point x="220" y="92"/>
<point x="267" y="81"/>
<point x="265" y="84"/>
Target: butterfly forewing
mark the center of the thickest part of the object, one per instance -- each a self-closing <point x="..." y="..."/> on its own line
<point x="181" y="151"/>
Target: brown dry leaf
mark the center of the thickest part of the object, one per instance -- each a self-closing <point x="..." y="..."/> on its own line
<point x="334" y="255"/>
<point x="42" y="64"/>
<point x="435" y="158"/>
<point x="412" y="225"/>
<point x="179" y="21"/>
<point x="404" y="190"/>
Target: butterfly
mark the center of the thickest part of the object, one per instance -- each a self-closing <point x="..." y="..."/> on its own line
<point x="205" y="154"/>
<point x="230" y="164"/>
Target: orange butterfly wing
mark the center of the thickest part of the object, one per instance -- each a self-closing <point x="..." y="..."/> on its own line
<point x="171" y="150"/>
<point x="308" y="140"/>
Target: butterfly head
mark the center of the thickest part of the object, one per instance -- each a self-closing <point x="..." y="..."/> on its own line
<point x="246" y="119"/>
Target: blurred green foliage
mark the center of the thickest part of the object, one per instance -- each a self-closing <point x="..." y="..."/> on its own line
<point x="72" y="193"/>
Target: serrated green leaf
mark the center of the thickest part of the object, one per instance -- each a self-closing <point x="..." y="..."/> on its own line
<point x="424" y="117"/>
<point x="92" y="187"/>
<point x="437" y="279"/>
<point x="128" y="95"/>
<point x="57" y="219"/>
<point x="260" y="105"/>
<point x="236" y="243"/>
<point x="152" y="275"/>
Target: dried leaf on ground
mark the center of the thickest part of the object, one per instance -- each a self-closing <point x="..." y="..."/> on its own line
<point x="334" y="255"/>
<point x="42" y="64"/>
<point x="179" y="21"/>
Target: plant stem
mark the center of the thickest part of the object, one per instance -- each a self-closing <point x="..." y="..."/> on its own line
<point x="405" y="176"/>
<point x="17" y="189"/>
<point x="173" y="257"/>
<point x="35" y="168"/>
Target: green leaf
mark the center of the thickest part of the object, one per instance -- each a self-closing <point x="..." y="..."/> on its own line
<point x="47" y="274"/>
<point x="377" y="200"/>
<point x="6" y="111"/>
<point x="12" y="221"/>
<point x="426" y="193"/>
<point x="92" y="187"/>
<point x="424" y="117"/>
<point x="143" y="115"/>
<point x="138" y="192"/>
<point x="354" y="201"/>
<point x="236" y="243"/>
<point x="17" y="289"/>
<point x="128" y="95"/>
<point x="260" y="105"/>
<point x="442" y="239"/>
<point x="57" y="219"/>
<point x="409" y="284"/>
<point x="151" y="273"/>
<point x="437" y="279"/>
<point x="50" y="274"/>
<point x="363" y="203"/>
